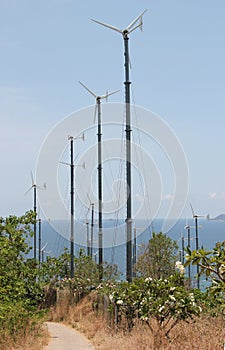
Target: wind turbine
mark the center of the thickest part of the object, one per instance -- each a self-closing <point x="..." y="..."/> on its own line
<point x="35" y="187"/>
<point x="136" y="23"/>
<point x="98" y="99"/>
<point x="88" y="235"/>
<point x="195" y="217"/>
<point x="72" y="165"/>
<point x="92" y="206"/>
<point x="44" y="251"/>
<point x="39" y="237"/>
<point x="188" y="228"/>
<point x="134" y="260"/>
<point x="181" y="251"/>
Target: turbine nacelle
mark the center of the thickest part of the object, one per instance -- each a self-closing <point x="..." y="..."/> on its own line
<point x="70" y="137"/>
<point x="136" y="23"/>
<point x="34" y="185"/>
<point x="98" y="98"/>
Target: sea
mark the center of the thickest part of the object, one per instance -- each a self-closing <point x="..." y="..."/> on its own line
<point x="55" y="237"/>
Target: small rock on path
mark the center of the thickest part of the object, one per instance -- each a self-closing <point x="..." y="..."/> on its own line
<point x="66" y="338"/>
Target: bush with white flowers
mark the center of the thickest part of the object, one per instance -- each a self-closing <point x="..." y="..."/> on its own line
<point x="165" y="301"/>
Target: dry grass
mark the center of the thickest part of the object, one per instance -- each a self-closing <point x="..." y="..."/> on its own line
<point x="206" y="333"/>
<point x="34" y="340"/>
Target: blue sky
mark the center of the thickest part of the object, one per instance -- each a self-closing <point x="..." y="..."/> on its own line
<point x="177" y="72"/>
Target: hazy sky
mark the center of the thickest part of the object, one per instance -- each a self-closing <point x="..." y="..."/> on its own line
<point x="178" y="72"/>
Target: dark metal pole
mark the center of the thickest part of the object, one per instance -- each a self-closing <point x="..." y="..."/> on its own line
<point x="88" y="239"/>
<point x="180" y="255"/>
<point x="135" y="250"/>
<point x="39" y="242"/>
<point x="100" y="234"/>
<point x="196" y="231"/>
<point x="71" y="209"/>
<point x="92" y="228"/>
<point x="128" y="163"/>
<point x="182" y="242"/>
<point x="35" y="223"/>
<point x="189" y="246"/>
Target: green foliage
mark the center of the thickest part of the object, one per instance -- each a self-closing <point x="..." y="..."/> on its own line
<point x="20" y="290"/>
<point x="212" y="264"/>
<point x="210" y="303"/>
<point x="166" y="301"/>
<point x="86" y="274"/>
<point x="161" y="298"/>
<point x="23" y="282"/>
<point x="14" y="270"/>
<point x="158" y="260"/>
<point x="55" y="268"/>
<point x="16" y="320"/>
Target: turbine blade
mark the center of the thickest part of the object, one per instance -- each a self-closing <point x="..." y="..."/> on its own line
<point x="112" y="93"/>
<point x="44" y="247"/>
<point x="109" y="94"/>
<point x="64" y="163"/>
<point x="192" y="210"/>
<point x="140" y="25"/>
<point x="28" y="190"/>
<point x="32" y="177"/>
<point x="129" y="27"/>
<point x="89" y="199"/>
<point x="85" y="87"/>
<point x="108" y="26"/>
<point x="74" y="160"/>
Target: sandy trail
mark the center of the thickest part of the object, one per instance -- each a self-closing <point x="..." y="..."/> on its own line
<point x="66" y="338"/>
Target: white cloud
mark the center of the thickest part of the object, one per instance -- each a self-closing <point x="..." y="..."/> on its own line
<point x="168" y="197"/>
<point x="215" y="195"/>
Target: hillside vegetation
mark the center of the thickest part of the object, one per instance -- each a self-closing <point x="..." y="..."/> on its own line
<point x="158" y="310"/>
<point x="201" y="333"/>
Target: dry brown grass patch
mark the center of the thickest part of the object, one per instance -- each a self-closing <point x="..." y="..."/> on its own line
<point x="206" y="333"/>
<point x="34" y="340"/>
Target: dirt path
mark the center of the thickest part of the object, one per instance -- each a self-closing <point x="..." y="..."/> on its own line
<point x="66" y="338"/>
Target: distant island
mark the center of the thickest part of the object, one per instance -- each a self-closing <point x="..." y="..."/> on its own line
<point x="220" y="217"/>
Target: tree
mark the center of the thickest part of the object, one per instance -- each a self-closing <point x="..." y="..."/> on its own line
<point x="19" y="289"/>
<point x="159" y="257"/>
<point x="212" y="264"/>
<point x="86" y="275"/>
<point x="165" y="301"/>
<point x="14" y="236"/>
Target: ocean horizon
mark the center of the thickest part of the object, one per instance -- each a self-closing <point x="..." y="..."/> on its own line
<point x="55" y="237"/>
